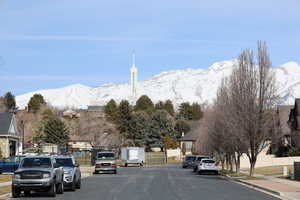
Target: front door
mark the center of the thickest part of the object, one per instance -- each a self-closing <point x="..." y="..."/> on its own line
<point x="12" y="148"/>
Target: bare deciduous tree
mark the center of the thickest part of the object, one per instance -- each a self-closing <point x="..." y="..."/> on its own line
<point x="244" y="106"/>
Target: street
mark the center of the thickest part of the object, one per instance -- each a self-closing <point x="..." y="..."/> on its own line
<point x="167" y="182"/>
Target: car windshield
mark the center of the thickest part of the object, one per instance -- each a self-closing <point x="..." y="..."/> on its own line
<point x="105" y="156"/>
<point x="208" y="161"/>
<point x="64" y="162"/>
<point x="190" y="158"/>
<point x="200" y="158"/>
<point x="36" y="162"/>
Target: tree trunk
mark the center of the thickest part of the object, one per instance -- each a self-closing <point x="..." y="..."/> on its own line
<point x="238" y="163"/>
<point x="252" y="165"/>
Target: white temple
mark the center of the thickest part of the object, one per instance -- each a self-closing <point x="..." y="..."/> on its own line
<point x="133" y="80"/>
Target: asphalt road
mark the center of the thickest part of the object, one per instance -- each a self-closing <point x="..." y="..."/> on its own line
<point x="158" y="183"/>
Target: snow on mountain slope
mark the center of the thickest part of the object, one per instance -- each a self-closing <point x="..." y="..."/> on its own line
<point x="193" y="85"/>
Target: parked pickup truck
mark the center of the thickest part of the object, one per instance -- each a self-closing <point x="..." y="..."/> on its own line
<point x="10" y="164"/>
<point x="105" y="162"/>
<point x="38" y="173"/>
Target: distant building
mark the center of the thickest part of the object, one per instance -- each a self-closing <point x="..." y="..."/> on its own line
<point x="133" y="81"/>
<point x="95" y="108"/>
<point x="187" y="142"/>
<point x="294" y="124"/>
<point x="71" y="114"/>
<point x="9" y="139"/>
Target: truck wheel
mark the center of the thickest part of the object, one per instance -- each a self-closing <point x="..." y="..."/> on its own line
<point x="73" y="186"/>
<point x="60" y="188"/>
<point x="78" y="185"/>
<point x="199" y="172"/>
<point x="126" y="165"/>
<point x="15" y="192"/>
<point x="52" y="190"/>
<point x="27" y="193"/>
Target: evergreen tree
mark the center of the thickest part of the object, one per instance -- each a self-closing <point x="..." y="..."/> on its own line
<point x="124" y="116"/>
<point x="161" y="125"/>
<point x="111" y="110"/>
<point x="181" y="126"/>
<point x="168" y="106"/>
<point x="185" y="111"/>
<point x="35" y="103"/>
<point x="138" y="128"/>
<point x="9" y="101"/>
<point x="56" y="132"/>
<point x="197" y="113"/>
<point x="144" y="103"/>
<point x="159" y="105"/>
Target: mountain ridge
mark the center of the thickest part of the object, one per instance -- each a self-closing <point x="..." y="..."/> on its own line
<point x="180" y="85"/>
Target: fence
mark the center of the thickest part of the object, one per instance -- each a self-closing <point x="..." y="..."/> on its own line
<point x="155" y="158"/>
<point x="83" y="157"/>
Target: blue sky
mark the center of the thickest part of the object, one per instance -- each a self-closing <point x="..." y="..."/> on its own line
<point x="54" y="43"/>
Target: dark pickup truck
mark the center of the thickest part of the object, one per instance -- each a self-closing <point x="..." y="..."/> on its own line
<point x="38" y="173"/>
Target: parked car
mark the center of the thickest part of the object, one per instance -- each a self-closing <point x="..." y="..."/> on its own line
<point x="207" y="165"/>
<point x="197" y="161"/>
<point x="10" y="164"/>
<point x="106" y="162"/>
<point x="188" y="161"/>
<point x="72" y="174"/>
<point x="38" y="173"/>
<point x="133" y="156"/>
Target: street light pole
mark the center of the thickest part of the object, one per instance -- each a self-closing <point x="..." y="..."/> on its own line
<point x="23" y="134"/>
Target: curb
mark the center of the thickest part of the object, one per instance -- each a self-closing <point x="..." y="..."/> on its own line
<point x="257" y="187"/>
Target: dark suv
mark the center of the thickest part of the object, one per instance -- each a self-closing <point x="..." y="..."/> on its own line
<point x="188" y="161"/>
<point x="38" y="173"/>
<point x="72" y="174"/>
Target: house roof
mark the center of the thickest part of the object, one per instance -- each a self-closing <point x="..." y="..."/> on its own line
<point x="297" y="106"/>
<point x="283" y="114"/>
<point x="5" y="121"/>
<point x="190" y="136"/>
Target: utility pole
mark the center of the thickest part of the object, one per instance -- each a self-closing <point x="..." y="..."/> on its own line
<point x="23" y="135"/>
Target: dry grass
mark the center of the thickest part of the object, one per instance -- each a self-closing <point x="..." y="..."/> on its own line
<point x="273" y="170"/>
<point x="5" y="178"/>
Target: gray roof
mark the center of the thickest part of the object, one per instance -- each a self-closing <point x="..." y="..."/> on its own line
<point x="297" y="106"/>
<point x="190" y="136"/>
<point x="5" y="121"/>
<point x="283" y="114"/>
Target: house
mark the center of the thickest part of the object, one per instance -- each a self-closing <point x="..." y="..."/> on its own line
<point x="71" y="114"/>
<point x="187" y="142"/>
<point x="9" y="137"/>
<point x="294" y="124"/>
<point x="283" y="131"/>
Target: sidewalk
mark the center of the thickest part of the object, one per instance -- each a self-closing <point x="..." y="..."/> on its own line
<point x="285" y="188"/>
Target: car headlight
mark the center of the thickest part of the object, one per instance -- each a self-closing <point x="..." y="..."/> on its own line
<point x="46" y="175"/>
<point x="17" y="176"/>
<point x="67" y="172"/>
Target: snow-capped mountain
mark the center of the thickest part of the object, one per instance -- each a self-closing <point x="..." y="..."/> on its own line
<point x="192" y="85"/>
